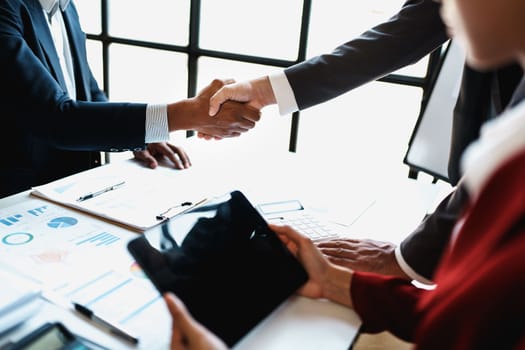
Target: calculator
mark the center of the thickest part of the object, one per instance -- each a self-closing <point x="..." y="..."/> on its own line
<point x="52" y="336"/>
<point x="293" y="213"/>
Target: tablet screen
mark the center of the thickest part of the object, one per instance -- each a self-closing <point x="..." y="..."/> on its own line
<point x="224" y="262"/>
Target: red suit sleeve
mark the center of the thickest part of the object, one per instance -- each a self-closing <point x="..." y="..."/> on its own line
<point x="386" y="303"/>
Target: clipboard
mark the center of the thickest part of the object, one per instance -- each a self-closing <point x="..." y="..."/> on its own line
<point x="126" y="193"/>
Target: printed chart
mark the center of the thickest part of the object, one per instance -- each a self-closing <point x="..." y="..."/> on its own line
<point x="62" y="222"/>
<point x="49" y="243"/>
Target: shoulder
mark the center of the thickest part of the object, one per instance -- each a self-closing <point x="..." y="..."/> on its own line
<point x="10" y="6"/>
<point x="501" y="145"/>
<point x="18" y="11"/>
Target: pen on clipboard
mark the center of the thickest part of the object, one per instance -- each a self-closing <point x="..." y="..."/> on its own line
<point x="86" y="312"/>
<point x="190" y="205"/>
<point x="98" y="193"/>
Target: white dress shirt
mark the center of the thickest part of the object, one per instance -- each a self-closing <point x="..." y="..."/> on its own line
<point x="283" y="93"/>
<point x="156" y="115"/>
<point x="60" y="39"/>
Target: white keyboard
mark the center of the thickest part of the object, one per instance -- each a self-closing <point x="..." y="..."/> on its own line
<point x="305" y="223"/>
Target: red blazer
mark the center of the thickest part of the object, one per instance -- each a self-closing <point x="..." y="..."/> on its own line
<point x="479" y="299"/>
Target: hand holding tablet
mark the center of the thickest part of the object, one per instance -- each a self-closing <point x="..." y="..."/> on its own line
<point x="223" y="262"/>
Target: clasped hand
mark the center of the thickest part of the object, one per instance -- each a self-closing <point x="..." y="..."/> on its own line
<point x="233" y="118"/>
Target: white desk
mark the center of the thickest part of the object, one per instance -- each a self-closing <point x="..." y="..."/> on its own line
<point x="299" y="323"/>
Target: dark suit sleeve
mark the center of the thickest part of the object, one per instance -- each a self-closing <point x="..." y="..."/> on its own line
<point x="34" y="101"/>
<point x="404" y="39"/>
<point x="423" y="249"/>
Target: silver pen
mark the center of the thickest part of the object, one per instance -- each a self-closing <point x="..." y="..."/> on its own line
<point x="113" y="329"/>
<point x="98" y="193"/>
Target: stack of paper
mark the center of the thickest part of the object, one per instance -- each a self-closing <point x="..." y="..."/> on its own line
<point x="19" y="300"/>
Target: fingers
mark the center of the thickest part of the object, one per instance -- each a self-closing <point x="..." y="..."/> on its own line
<point x="239" y="92"/>
<point x="252" y="114"/>
<point x="290" y="237"/>
<point x="256" y="92"/>
<point x="177" y="156"/>
<point x="213" y="87"/>
<point x="362" y="254"/>
<point x="237" y="115"/>
<point x="180" y="320"/>
<point x="337" y="243"/>
<point x="202" y="135"/>
<point x="187" y="333"/>
<point x="146" y="157"/>
<point x="232" y="121"/>
<point x="183" y="156"/>
<point x="286" y="232"/>
<point x="339" y="251"/>
<point x="205" y="136"/>
<point x="218" y="98"/>
<point x="344" y="257"/>
<point x="171" y="152"/>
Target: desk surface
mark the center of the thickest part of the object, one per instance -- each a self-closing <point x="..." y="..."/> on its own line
<point x="299" y="322"/>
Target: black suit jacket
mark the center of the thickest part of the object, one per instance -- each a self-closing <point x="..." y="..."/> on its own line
<point x="404" y="39"/>
<point x="46" y="135"/>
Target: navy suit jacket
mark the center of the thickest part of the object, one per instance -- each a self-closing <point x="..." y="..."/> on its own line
<point x="412" y="33"/>
<point x="46" y="135"/>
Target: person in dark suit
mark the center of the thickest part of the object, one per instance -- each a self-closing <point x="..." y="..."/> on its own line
<point x="56" y="120"/>
<point x="415" y="31"/>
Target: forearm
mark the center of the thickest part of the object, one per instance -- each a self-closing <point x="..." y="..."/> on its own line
<point x="386" y="303"/>
<point x="78" y="126"/>
<point x="337" y="286"/>
<point x="407" y="37"/>
<point x="263" y="92"/>
<point x="180" y="115"/>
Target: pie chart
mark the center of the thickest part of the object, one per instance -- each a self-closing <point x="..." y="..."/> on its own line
<point x="62" y="222"/>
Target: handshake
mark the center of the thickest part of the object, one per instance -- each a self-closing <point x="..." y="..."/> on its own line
<point x="222" y="109"/>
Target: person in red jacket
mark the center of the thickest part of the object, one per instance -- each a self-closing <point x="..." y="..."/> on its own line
<point x="477" y="302"/>
<point x="478" y="299"/>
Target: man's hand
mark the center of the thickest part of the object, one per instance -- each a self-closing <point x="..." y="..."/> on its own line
<point x="257" y="93"/>
<point x="362" y="255"/>
<point x="188" y="334"/>
<point x="233" y="119"/>
<point x="158" y="151"/>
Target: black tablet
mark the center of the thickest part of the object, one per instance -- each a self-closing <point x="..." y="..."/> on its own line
<point x="224" y="262"/>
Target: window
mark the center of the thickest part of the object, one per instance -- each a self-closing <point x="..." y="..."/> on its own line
<point x="187" y="43"/>
<point x="269" y="28"/>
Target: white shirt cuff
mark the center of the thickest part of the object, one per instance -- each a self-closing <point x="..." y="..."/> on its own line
<point x="283" y="93"/>
<point x="408" y="270"/>
<point x="157" y="124"/>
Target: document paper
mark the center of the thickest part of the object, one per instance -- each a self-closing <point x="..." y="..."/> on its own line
<point x="127" y="193"/>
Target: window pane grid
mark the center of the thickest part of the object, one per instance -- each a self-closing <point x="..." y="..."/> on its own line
<point x="298" y="33"/>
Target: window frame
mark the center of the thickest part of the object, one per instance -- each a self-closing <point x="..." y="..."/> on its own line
<point x="194" y="52"/>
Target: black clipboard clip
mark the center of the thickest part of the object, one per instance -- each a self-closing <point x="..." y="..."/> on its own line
<point x="190" y="205"/>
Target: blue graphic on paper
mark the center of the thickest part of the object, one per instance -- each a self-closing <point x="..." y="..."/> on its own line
<point x="17" y="238"/>
<point x="62" y="222"/>
<point x="37" y="211"/>
<point x="100" y="239"/>
<point x="10" y="220"/>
